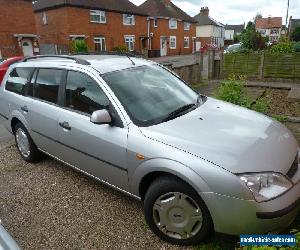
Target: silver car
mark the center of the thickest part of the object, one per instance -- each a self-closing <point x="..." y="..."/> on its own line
<point x="198" y="164"/>
<point x="6" y="241"/>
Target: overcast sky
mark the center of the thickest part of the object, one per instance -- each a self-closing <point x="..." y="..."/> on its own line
<point x="238" y="11"/>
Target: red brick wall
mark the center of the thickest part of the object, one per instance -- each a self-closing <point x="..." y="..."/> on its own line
<point x="180" y="33"/>
<point x="16" y="17"/>
<point x="67" y="21"/>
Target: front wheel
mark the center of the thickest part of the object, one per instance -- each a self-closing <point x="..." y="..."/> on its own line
<point x="176" y="213"/>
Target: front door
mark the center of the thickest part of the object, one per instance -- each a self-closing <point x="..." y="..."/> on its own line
<point x="27" y="47"/>
<point x="99" y="150"/>
<point x="163" y="46"/>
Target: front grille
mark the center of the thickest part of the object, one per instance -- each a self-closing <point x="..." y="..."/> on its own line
<point x="292" y="171"/>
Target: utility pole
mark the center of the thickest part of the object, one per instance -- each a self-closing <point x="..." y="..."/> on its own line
<point x="287" y="14"/>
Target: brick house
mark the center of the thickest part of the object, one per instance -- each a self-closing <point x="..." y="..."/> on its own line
<point x="171" y="30"/>
<point x="270" y="26"/>
<point x="17" y="29"/>
<point x="209" y="31"/>
<point x="293" y="23"/>
<point x="103" y="24"/>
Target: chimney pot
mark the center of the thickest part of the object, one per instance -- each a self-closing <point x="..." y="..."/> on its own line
<point x="204" y="11"/>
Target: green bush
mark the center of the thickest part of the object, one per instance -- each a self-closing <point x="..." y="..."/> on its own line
<point x="284" y="47"/>
<point x="233" y="90"/>
<point x="297" y="46"/>
<point x="79" y="46"/>
<point x="120" y="48"/>
<point x="280" y="118"/>
<point x="261" y="105"/>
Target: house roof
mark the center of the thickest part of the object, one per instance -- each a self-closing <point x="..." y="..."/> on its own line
<point x="238" y="28"/>
<point x="206" y="20"/>
<point x="268" y="23"/>
<point x="122" y="6"/>
<point x="158" y="8"/>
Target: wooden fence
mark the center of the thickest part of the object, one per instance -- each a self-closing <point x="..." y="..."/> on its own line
<point x="263" y="65"/>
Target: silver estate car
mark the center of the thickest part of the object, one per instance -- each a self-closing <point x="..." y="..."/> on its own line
<point x="198" y="164"/>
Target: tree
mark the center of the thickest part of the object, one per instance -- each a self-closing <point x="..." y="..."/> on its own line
<point x="79" y="46"/>
<point x="295" y="35"/>
<point x="251" y="39"/>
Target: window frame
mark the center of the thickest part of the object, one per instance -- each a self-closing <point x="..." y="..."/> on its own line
<point x="131" y="17"/>
<point x="100" y="13"/>
<point x="44" y="18"/>
<point x="175" y="41"/>
<point x="63" y="103"/>
<point x="155" y="22"/>
<point x="188" y="27"/>
<point x="32" y="69"/>
<point x="170" y="24"/>
<point x="130" y="37"/>
<point x="99" y="42"/>
<point x="186" y="38"/>
<point x="60" y="87"/>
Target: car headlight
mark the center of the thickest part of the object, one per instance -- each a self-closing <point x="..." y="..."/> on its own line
<point x="266" y="186"/>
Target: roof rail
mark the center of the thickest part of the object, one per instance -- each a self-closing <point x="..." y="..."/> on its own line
<point x="117" y="53"/>
<point x="76" y="59"/>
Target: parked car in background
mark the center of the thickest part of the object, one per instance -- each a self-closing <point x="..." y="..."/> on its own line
<point x="6" y="241"/>
<point x="232" y="48"/>
<point x="5" y="63"/>
<point x="198" y="164"/>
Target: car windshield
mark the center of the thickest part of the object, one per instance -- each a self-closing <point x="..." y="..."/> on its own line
<point x="150" y="94"/>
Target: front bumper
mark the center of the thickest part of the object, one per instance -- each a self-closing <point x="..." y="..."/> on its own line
<point x="237" y="216"/>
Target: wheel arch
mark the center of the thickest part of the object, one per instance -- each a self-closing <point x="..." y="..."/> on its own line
<point x="148" y="171"/>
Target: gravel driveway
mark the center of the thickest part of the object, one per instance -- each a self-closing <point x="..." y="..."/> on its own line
<point x="50" y="206"/>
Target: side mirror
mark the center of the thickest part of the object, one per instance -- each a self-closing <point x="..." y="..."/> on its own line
<point x="101" y="117"/>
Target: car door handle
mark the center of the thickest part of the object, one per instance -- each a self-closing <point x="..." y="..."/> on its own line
<point x="65" y="125"/>
<point x="24" y="108"/>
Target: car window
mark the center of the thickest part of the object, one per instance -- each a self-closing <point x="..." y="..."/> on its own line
<point x="84" y="94"/>
<point x="17" y="79"/>
<point x="47" y="84"/>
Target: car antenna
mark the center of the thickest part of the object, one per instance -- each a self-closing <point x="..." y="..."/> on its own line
<point x="133" y="63"/>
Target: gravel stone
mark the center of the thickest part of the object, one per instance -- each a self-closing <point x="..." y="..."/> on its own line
<point x="50" y="206"/>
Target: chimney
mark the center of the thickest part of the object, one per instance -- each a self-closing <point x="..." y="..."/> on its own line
<point x="269" y="19"/>
<point x="204" y="11"/>
<point x="167" y="2"/>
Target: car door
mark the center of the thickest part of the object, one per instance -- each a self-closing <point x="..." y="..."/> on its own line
<point x="43" y="110"/>
<point x="13" y="99"/>
<point x="99" y="150"/>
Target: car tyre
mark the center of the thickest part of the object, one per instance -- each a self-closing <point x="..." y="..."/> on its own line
<point x="25" y="144"/>
<point x="171" y="203"/>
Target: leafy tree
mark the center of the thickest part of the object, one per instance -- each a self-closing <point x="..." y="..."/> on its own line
<point x="79" y="46"/>
<point x="283" y="47"/>
<point x="295" y="35"/>
<point x="251" y="39"/>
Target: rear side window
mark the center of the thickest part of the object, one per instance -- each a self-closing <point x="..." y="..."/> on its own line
<point x="17" y="80"/>
<point x="83" y="94"/>
<point x="47" y="84"/>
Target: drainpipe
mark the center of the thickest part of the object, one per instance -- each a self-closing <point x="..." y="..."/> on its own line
<point x="149" y="38"/>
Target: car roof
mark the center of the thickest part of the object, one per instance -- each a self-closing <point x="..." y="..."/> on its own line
<point x="102" y="63"/>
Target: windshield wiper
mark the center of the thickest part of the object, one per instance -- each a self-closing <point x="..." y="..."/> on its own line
<point x="179" y="111"/>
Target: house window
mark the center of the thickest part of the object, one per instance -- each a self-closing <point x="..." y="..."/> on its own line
<point x="128" y="19"/>
<point x="186" y="26"/>
<point x="45" y="18"/>
<point x="173" y="23"/>
<point x="155" y="22"/>
<point x="129" y="42"/>
<point x="97" y="16"/>
<point x="99" y="44"/>
<point x="172" y="42"/>
<point x="186" y="42"/>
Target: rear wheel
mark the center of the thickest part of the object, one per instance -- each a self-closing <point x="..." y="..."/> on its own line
<point x="176" y="213"/>
<point x="25" y="144"/>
